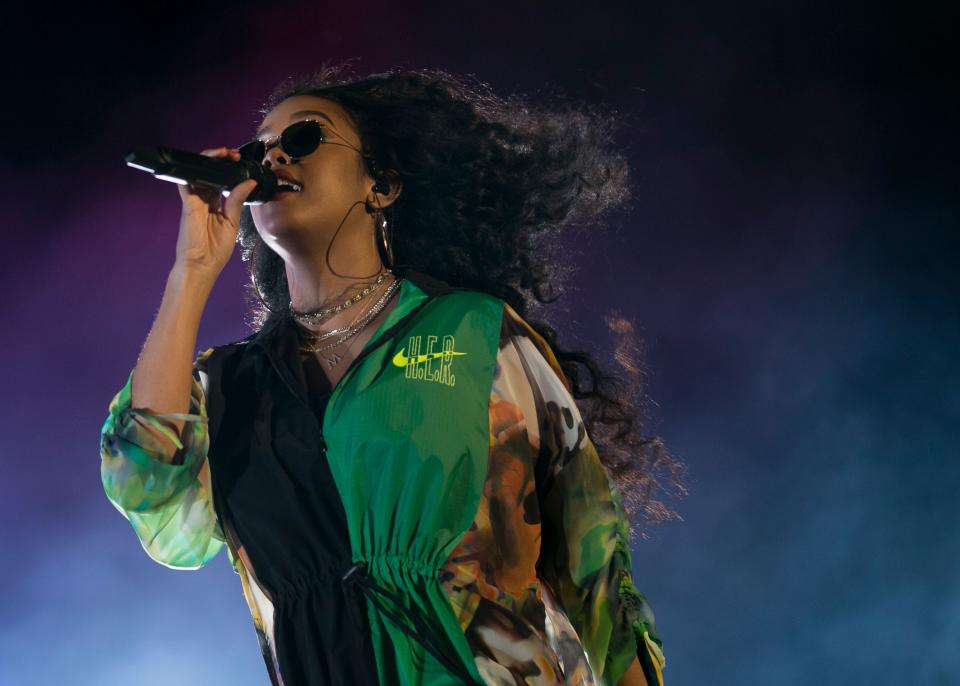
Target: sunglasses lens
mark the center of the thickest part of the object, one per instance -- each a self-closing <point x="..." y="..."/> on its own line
<point x="252" y="151"/>
<point x="302" y="138"/>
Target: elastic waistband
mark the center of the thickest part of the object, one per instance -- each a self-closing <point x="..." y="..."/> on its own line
<point x="357" y="578"/>
<point x="324" y="576"/>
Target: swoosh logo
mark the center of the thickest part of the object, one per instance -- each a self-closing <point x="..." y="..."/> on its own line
<point x="401" y="360"/>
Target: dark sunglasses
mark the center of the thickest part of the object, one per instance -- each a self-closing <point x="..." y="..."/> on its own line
<point x="297" y="140"/>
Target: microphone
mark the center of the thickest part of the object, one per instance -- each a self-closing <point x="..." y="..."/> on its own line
<point x="180" y="166"/>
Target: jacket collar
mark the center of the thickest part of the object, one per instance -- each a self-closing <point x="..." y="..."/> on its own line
<point x="279" y="341"/>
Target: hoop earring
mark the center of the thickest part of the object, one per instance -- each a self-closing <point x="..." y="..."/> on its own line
<point x="384" y="244"/>
<point x="253" y="277"/>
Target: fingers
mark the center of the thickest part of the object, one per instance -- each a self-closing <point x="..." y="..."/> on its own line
<point x="210" y="197"/>
<point x="239" y="193"/>
<point x="233" y="205"/>
<point x="233" y="153"/>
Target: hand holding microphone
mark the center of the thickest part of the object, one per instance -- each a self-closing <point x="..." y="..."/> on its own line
<point x="208" y="233"/>
<point x="202" y="171"/>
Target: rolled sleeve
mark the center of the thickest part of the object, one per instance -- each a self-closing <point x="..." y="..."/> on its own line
<point x="165" y="494"/>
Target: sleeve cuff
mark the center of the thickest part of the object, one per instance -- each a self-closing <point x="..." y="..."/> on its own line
<point x="649" y="646"/>
<point x="129" y="423"/>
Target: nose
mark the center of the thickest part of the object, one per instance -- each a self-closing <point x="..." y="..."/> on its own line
<point x="274" y="156"/>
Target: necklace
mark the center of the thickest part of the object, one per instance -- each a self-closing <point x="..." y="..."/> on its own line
<point x="316" y="337"/>
<point x="373" y="312"/>
<point x="317" y="316"/>
<point x="335" y="358"/>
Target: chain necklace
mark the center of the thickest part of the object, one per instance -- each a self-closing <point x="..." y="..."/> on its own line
<point x="316" y="337"/>
<point x="355" y="329"/>
<point x="317" y="316"/>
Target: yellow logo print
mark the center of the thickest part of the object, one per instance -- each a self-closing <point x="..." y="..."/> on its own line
<point x="421" y="366"/>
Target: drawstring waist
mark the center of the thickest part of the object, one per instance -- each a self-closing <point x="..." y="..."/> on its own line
<point x="357" y="578"/>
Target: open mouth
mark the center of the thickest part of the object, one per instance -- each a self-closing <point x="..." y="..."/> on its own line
<point x="285" y="189"/>
<point x="285" y="186"/>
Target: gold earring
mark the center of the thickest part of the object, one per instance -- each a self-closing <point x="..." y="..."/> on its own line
<point x="386" y="249"/>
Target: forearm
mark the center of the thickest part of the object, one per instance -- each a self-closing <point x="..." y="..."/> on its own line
<point x="162" y="376"/>
<point x="633" y="676"/>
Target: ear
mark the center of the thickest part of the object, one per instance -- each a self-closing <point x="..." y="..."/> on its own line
<point x="392" y="179"/>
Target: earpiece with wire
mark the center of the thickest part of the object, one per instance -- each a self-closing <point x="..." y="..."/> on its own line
<point x="381" y="185"/>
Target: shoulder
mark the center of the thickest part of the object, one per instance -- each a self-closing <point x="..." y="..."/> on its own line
<point x="529" y="348"/>
<point x="512" y="329"/>
<point x="471" y="318"/>
<point x="204" y="357"/>
<point x="468" y="300"/>
<point x="444" y="295"/>
<point x="465" y="306"/>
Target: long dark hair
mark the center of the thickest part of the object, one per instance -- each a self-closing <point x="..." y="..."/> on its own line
<point x="489" y="185"/>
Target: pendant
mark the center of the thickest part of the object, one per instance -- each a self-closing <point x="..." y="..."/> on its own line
<point x="333" y="359"/>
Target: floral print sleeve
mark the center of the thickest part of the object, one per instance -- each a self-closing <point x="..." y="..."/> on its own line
<point x="584" y="554"/>
<point x="165" y="497"/>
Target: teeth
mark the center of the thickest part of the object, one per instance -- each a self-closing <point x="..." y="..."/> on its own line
<point x="290" y="184"/>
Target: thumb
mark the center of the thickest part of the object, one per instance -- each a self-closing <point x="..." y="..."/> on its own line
<point x="234" y="202"/>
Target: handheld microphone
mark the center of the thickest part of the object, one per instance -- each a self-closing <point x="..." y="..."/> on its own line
<point x="180" y="166"/>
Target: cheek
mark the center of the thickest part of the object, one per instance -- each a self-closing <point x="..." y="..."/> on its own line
<point x="332" y="177"/>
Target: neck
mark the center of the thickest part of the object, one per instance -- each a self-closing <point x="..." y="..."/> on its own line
<point x="314" y="286"/>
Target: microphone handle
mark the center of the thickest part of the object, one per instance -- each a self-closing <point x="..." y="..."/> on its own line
<point x="181" y="166"/>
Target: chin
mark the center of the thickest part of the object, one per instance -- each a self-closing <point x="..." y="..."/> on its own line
<point x="286" y="236"/>
<point x="273" y="222"/>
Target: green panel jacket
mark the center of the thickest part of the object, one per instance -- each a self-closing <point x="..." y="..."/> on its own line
<point x="471" y="491"/>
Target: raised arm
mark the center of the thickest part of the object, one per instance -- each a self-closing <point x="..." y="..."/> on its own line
<point x="154" y="441"/>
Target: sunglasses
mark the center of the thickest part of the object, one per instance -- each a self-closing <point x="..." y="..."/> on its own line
<point x="297" y="140"/>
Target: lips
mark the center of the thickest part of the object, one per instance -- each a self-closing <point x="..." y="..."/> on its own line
<point x="284" y="177"/>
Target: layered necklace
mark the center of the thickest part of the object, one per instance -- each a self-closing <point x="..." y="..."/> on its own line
<point x="318" y="342"/>
<point x="316" y="316"/>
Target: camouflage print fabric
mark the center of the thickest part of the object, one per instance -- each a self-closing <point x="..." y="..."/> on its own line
<point x="542" y="581"/>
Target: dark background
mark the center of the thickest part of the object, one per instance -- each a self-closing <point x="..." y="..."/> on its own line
<point x="791" y="262"/>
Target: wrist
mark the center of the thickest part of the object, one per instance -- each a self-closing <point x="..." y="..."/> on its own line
<point x="191" y="277"/>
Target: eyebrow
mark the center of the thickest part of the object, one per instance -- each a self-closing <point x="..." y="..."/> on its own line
<point x="297" y="114"/>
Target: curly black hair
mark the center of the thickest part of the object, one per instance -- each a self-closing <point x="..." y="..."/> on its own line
<point x="489" y="184"/>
